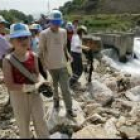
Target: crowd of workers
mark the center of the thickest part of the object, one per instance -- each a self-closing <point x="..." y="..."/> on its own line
<point x="41" y="49"/>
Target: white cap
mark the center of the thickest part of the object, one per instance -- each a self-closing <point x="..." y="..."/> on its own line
<point x="55" y="15"/>
<point x="2" y="20"/>
<point x="19" y="30"/>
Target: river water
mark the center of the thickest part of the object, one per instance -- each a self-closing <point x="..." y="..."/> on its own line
<point x="133" y="65"/>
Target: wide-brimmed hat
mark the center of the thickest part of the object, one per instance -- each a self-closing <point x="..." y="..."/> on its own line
<point x="19" y="30"/>
<point x="69" y="26"/>
<point x="35" y="27"/>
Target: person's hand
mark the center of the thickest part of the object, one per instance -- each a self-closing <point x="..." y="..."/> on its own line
<point x="37" y="85"/>
<point x="86" y="48"/>
<point x="33" y="88"/>
<point x="70" y="59"/>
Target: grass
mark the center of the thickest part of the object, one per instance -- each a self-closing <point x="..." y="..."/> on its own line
<point x="108" y="22"/>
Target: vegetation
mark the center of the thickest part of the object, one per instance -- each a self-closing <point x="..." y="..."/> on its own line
<point x="15" y="16"/>
<point x="104" y="15"/>
<point x="105" y="22"/>
<point x="101" y="7"/>
<point x="79" y="6"/>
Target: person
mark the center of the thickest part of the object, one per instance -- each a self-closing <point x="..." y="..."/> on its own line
<point x="75" y="25"/>
<point x="35" y="30"/>
<point x="3" y="23"/>
<point x="4" y="44"/>
<point x="69" y="28"/>
<point x="76" y="52"/>
<point x="52" y="46"/>
<point x="4" y="47"/>
<point x="25" y="100"/>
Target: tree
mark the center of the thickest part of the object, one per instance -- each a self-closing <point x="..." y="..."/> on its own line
<point x="13" y="16"/>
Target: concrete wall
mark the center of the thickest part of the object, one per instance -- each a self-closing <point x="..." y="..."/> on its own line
<point x="123" y="42"/>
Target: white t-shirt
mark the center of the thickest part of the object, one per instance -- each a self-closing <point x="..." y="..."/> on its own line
<point x="76" y="44"/>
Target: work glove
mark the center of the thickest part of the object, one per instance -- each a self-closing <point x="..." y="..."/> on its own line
<point x="33" y="88"/>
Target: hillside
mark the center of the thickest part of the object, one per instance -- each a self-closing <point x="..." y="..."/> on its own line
<point x="102" y="7"/>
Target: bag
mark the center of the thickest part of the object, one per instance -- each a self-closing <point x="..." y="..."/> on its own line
<point x="46" y="90"/>
<point x="69" y="68"/>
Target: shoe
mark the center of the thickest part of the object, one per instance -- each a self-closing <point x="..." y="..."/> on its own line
<point x="56" y="104"/>
<point x="70" y="113"/>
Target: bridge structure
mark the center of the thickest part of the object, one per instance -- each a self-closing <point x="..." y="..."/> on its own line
<point x="122" y="42"/>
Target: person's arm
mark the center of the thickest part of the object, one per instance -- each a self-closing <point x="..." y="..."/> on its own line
<point x="84" y="47"/>
<point x="42" y="50"/>
<point x="40" y="77"/>
<point x="5" y="45"/>
<point x="65" y="48"/>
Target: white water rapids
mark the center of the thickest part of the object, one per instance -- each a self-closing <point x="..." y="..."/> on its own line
<point x="133" y="65"/>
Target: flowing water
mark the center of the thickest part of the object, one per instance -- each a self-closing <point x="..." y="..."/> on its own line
<point x="133" y="65"/>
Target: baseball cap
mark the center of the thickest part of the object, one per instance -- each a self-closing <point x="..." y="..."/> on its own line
<point x="55" y="17"/>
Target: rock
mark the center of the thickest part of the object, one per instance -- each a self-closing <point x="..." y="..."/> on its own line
<point x="58" y="135"/>
<point x="135" y="111"/>
<point x="99" y="88"/>
<point x="108" y="69"/>
<point x="134" y="81"/>
<point x="127" y="104"/>
<point x="90" y="132"/>
<point x="90" y="107"/>
<point x="110" y="127"/>
<point x="95" y="118"/>
<point x="112" y="85"/>
<point x="100" y="92"/>
<point x="133" y="94"/>
<point x="132" y="121"/>
<point x="127" y="75"/>
<point x="109" y="111"/>
<point x="58" y="119"/>
<point x="130" y="131"/>
<point x="108" y="101"/>
<point x="123" y="83"/>
<point x="121" y="121"/>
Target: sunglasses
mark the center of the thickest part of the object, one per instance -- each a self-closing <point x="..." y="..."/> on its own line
<point x="22" y="38"/>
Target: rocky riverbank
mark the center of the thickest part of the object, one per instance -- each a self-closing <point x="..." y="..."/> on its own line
<point x="109" y="108"/>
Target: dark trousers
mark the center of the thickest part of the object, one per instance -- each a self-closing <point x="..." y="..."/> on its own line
<point x="89" y="66"/>
<point x="77" y="67"/>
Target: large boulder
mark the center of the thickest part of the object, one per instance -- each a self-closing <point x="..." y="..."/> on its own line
<point x="135" y="81"/>
<point x="111" y="83"/>
<point x="131" y="132"/>
<point x="133" y="94"/>
<point x="100" y="92"/>
<point x="90" y="132"/>
<point x="57" y="119"/>
<point x="110" y="127"/>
